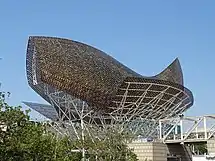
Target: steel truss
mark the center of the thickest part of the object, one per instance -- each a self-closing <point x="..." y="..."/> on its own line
<point x="142" y="117"/>
<point x="187" y="129"/>
<point x="78" y="120"/>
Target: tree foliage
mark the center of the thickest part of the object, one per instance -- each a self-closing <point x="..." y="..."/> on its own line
<point x="200" y="148"/>
<point x="112" y="148"/>
<point x="24" y="140"/>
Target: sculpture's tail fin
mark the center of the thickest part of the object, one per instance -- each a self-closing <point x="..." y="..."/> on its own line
<point x="172" y="73"/>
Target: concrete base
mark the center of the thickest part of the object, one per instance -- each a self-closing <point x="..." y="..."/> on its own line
<point x="158" y="151"/>
<point x="211" y="146"/>
<point x="150" y="151"/>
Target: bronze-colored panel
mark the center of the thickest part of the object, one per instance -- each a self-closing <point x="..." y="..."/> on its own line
<point x="95" y="77"/>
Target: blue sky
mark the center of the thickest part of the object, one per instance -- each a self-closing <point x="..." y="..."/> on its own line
<point x="144" y="35"/>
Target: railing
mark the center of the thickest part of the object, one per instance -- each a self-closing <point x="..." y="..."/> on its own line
<point x="187" y="129"/>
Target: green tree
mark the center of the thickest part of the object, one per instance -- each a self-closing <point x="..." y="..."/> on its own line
<point x="200" y="148"/>
<point x="113" y="147"/>
<point x="24" y="140"/>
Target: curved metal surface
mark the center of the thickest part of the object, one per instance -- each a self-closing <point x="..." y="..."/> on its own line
<point x="46" y="110"/>
<point x="172" y="73"/>
<point x="88" y="73"/>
